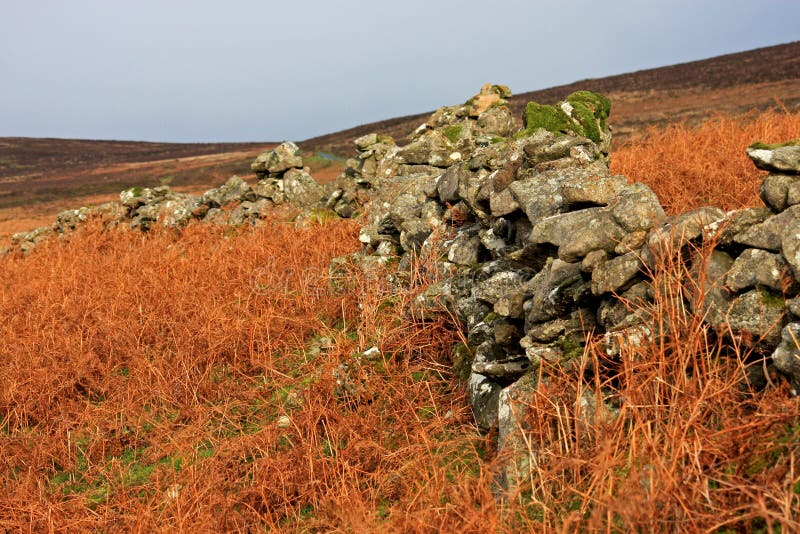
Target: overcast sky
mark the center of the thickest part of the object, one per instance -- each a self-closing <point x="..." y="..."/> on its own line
<point x="201" y="70"/>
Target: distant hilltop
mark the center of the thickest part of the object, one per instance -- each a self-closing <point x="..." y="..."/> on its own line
<point x="732" y="84"/>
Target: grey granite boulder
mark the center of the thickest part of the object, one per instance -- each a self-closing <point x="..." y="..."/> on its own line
<point x="787" y="355"/>
<point x="779" y="191"/>
<point x="275" y="162"/>
<point x="301" y="189"/>
<point x="756" y="267"/>
<point x="235" y="189"/>
<point x="783" y="158"/>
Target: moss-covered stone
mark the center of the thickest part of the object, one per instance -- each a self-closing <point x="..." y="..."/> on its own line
<point x="591" y="110"/>
<point x="453" y="132"/>
<point x="550" y="118"/>
<point x="583" y="113"/>
<point x="758" y="145"/>
<point x="462" y="361"/>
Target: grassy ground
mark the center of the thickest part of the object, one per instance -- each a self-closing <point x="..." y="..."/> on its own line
<point x="215" y="379"/>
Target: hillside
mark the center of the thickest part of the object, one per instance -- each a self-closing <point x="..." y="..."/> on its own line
<point x="730" y="84"/>
<point x="624" y="371"/>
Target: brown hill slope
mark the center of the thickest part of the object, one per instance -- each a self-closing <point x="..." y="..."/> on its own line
<point x="33" y="169"/>
<point x="733" y="83"/>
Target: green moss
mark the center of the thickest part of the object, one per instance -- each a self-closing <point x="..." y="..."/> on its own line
<point x="758" y="145"/>
<point x="591" y="110"/>
<point x="453" y="132"/>
<point x="462" y="361"/>
<point x="571" y="348"/>
<point x="496" y="140"/>
<point x="321" y="215"/>
<point x="770" y="299"/>
<point x="550" y="118"/>
<point x="588" y="117"/>
<point x="599" y="105"/>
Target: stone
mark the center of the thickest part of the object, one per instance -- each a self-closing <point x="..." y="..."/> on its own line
<point x="539" y="352"/>
<point x="736" y="222"/>
<point x="135" y="197"/>
<point x="484" y="394"/>
<point x="683" y="229"/>
<point x="578" y="233"/>
<point x="275" y="162"/>
<point x="471" y="311"/>
<point x="69" y="220"/>
<point x="178" y="213"/>
<point x="502" y="203"/>
<point x="592" y="186"/>
<point x="615" y="313"/>
<point x="758" y="267"/>
<point x="631" y="338"/>
<point x="249" y="212"/>
<point x="478" y="335"/>
<point x="366" y="141"/>
<point x="614" y="274"/>
<point x="637" y="208"/>
<point x="501" y="369"/>
<point x="447" y="187"/>
<point x="270" y="188"/>
<point x="544" y="146"/>
<point x="111" y="213"/>
<point x="494" y="243"/>
<point x="404" y="208"/>
<point x="512" y="303"/>
<point x="235" y="189"/>
<point x="489" y="97"/>
<point x="776" y="158"/>
<point x="498" y="285"/>
<point x="759" y="314"/>
<point x="556" y="291"/>
<point x="301" y="189"/>
<point x="506" y="332"/>
<point x="474" y="190"/>
<point x="779" y="191"/>
<point x="572" y="327"/>
<point x="518" y="459"/>
<point x="432" y="213"/>
<point x="793" y="305"/>
<point x="768" y="234"/>
<point x="790" y="246"/>
<point x="465" y="249"/>
<point x="716" y="297"/>
<point x="593" y="260"/>
<point x="432" y="148"/>
<point x="496" y="122"/>
<point x="413" y="233"/>
<point x="786" y="356"/>
<point x="539" y="195"/>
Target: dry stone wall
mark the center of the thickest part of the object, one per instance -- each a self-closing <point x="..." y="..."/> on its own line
<point x="538" y="245"/>
<point x="541" y="246"/>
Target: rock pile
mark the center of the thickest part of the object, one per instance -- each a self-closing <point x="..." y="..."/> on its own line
<point x="352" y="189"/>
<point x="281" y="179"/>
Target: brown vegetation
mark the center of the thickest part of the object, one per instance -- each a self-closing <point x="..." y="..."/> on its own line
<point x="704" y="165"/>
<point x="214" y="379"/>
